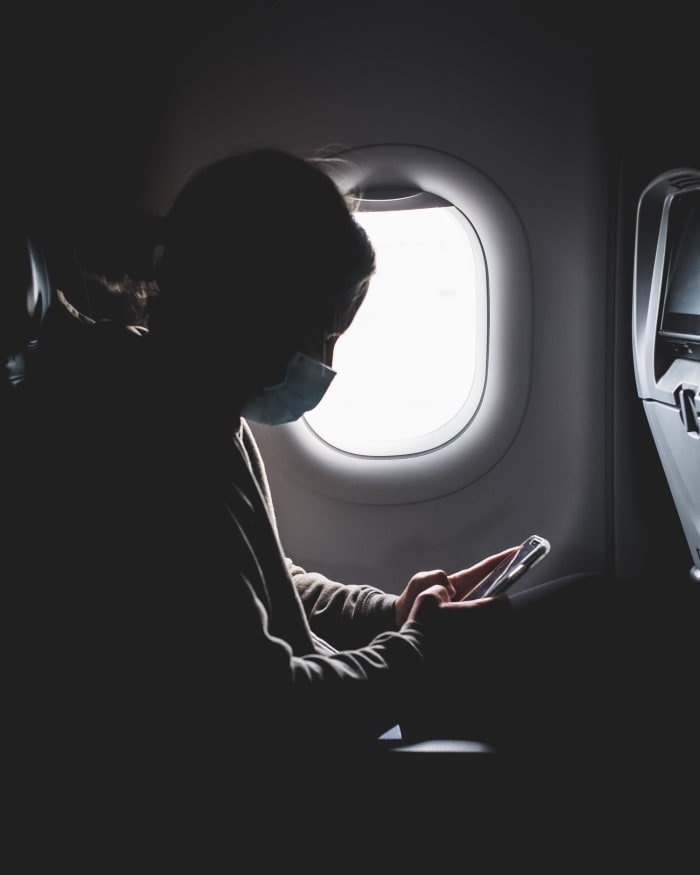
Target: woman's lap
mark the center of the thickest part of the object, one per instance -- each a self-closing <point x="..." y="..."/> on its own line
<point x="567" y="669"/>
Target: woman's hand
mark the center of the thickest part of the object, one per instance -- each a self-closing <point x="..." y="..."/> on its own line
<point x="463" y="582"/>
<point x="442" y="587"/>
<point x="439" y="584"/>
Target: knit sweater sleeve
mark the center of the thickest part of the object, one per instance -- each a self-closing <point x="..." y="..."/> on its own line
<point x="355" y="688"/>
<point x="351" y="694"/>
<point x="344" y="615"/>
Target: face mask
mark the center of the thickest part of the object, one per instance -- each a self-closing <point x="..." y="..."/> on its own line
<point x="304" y="385"/>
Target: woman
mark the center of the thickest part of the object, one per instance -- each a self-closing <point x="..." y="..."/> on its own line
<point x="176" y="659"/>
<point x="263" y="267"/>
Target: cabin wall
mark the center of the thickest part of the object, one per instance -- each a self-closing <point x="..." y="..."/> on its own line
<point x="521" y="104"/>
<point x="569" y="112"/>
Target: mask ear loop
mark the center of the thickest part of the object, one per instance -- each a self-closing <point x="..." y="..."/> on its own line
<point x="328" y="348"/>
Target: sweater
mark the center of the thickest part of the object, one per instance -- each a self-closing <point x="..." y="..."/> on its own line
<point x="339" y="665"/>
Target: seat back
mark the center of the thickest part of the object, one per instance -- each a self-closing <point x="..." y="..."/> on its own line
<point x="24" y="300"/>
<point x="26" y="294"/>
<point x="666" y="335"/>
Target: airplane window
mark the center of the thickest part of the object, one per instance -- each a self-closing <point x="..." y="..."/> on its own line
<point x="411" y="367"/>
<point x="434" y="372"/>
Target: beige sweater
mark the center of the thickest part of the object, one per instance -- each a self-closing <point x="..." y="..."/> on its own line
<point x="331" y="648"/>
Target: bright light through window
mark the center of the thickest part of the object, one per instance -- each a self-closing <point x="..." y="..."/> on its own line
<point x="408" y="365"/>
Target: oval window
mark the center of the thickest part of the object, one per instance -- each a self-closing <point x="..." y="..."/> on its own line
<point x="411" y="367"/>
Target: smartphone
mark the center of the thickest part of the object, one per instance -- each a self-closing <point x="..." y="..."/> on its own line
<point x="504" y="575"/>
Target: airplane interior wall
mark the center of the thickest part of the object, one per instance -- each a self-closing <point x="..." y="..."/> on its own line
<point x="545" y="103"/>
<point x="487" y="94"/>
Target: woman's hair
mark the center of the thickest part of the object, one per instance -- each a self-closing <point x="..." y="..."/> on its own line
<point x="261" y="253"/>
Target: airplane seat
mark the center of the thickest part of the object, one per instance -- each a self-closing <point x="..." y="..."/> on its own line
<point x="23" y="305"/>
<point x="26" y="297"/>
<point x="666" y="336"/>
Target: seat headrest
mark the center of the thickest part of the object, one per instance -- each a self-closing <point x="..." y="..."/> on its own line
<point x="26" y="294"/>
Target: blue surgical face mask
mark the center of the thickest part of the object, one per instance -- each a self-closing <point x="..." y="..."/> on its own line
<point x="305" y="383"/>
